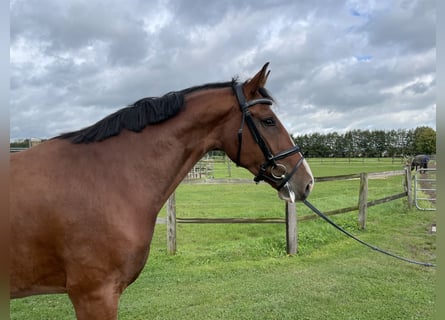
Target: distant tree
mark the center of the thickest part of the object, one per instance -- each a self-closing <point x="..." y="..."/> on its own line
<point x="20" y="144"/>
<point x="379" y="144"/>
<point x="366" y="143"/>
<point x="349" y="144"/>
<point x="424" y="140"/>
<point x="336" y="144"/>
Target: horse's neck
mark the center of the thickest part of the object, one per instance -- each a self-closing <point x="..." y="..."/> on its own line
<point x="159" y="157"/>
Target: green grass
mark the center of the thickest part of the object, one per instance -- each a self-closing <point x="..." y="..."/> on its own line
<point x="243" y="272"/>
<point x="320" y="167"/>
<point x="338" y="166"/>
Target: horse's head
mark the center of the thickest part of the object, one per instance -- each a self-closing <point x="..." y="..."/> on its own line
<point x="264" y="146"/>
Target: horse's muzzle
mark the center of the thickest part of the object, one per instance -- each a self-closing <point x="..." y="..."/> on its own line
<point x="297" y="188"/>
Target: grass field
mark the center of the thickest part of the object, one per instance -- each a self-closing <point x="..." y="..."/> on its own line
<point x="242" y="271"/>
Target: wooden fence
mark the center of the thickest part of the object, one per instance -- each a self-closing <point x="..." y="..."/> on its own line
<point x="290" y="218"/>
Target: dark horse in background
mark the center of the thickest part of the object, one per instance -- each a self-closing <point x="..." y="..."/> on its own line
<point x="420" y="161"/>
<point x="83" y="205"/>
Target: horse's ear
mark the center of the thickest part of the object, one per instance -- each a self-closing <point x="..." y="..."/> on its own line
<point x="258" y="81"/>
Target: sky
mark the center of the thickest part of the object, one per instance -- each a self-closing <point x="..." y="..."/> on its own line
<point x="335" y="66"/>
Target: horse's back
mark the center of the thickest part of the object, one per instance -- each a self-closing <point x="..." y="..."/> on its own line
<point x="420" y="157"/>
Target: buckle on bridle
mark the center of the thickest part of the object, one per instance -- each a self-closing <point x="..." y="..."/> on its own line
<point x="278" y="171"/>
<point x="281" y="178"/>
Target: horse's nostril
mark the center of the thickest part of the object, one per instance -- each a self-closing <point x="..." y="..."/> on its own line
<point x="308" y="188"/>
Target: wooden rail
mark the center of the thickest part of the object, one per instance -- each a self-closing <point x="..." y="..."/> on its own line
<point x="290" y="210"/>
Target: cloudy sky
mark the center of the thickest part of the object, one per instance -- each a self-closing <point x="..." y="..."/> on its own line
<point x="336" y="65"/>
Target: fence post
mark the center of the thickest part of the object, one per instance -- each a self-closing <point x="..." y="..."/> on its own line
<point x="291" y="228"/>
<point x="408" y="186"/>
<point x="363" y="200"/>
<point x="229" y="168"/>
<point x="171" y="224"/>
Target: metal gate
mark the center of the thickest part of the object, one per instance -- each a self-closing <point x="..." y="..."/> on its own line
<point x="425" y="189"/>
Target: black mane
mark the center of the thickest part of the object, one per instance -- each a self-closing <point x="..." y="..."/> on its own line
<point x="137" y="116"/>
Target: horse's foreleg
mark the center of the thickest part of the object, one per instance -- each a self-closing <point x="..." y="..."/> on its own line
<point x="99" y="303"/>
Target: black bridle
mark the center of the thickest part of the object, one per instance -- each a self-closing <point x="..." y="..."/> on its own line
<point x="279" y="175"/>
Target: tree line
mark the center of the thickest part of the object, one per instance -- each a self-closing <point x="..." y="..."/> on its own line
<point x="369" y="143"/>
<point x="356" y="143"/>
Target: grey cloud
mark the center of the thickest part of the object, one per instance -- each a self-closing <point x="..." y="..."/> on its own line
<point x="73" y="62"/>
<point x="410" y="25"/>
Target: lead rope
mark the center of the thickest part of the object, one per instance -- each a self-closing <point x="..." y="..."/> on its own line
<point x="325" y="218"/>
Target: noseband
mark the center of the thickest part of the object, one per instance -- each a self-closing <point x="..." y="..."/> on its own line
<point x="278" y="172"/>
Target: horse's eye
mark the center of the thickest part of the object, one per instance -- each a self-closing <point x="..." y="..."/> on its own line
<point x="268" y="122"/>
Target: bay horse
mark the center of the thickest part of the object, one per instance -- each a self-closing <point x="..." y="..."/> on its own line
<point x="83" y="205"/>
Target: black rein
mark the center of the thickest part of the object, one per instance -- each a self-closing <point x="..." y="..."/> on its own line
<point x="326" y="218"/>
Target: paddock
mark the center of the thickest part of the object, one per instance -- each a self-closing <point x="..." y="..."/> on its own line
<point x="242" y="271"/>
<point x="290" y="216"/>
